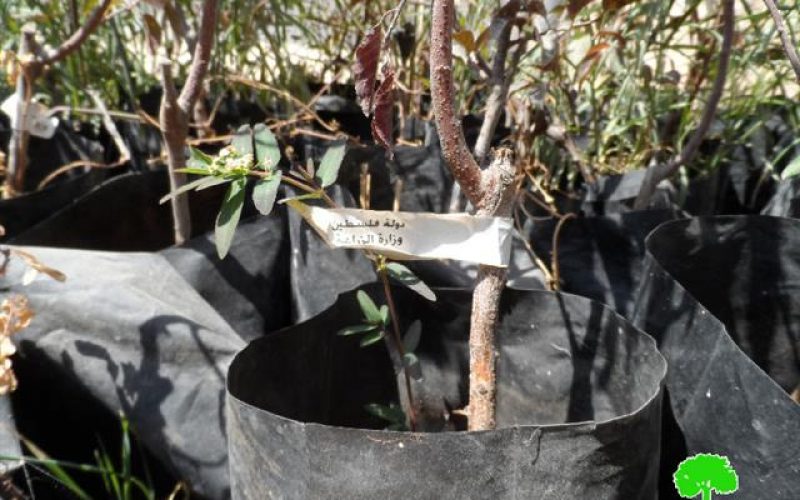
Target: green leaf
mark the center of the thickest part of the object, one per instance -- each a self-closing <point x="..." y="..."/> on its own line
<point x="216" y="182"/>
<point x="228" y="216"/>
<point x="198" y="160"/>
<point x="353" y="330"/>
<point x="405" y="277"/>
<point x="371" y="338"/>
<point x="268" y="153"/>
<point x="242" y="140"/>
<point x="195" y="184"/>
<point x="411" y="340"/>
<point x="329" y="166"/>
<point x="412" y="366"/>
<point x="368" y="308"/>
<point x="384" y="310"/>
<point x="307" y="196"/>
<point x="792" y="169"/>
<point x="391" y="413"/>
<point x="265" y="192"/>
<point x="54" y="467"/>
<point x="193" y="171"/>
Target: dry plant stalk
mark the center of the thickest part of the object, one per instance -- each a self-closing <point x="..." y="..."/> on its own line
<point x="490" y="191"/>
<point x="15" y="316"/>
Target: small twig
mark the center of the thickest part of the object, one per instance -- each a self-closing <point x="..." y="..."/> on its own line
<point x="548" y="276"/>
<point x="786" y="41"/>
<point x="72" y="166"/>
<point x="111" y="127"/>
<point x="393" y="22"/>
<point x="76" y="40"/>
<point x="658" y="173"/>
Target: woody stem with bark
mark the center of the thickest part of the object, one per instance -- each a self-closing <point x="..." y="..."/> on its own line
<point x="175" y="112"/>
<point x="491" y="192"/>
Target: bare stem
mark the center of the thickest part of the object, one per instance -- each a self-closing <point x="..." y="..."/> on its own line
<point x="410" y="410"/>
<point x="491" y="192"/>
<point x="788" y="45"/>
<point x="658" y="173"/>
<point x="175" y="112"/>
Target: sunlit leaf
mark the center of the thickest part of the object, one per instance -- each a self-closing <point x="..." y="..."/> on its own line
<point x="792" y="169"/>
<point x="228" y="216"/>
<point x="368" y="308"/>
<point x="384" y="310"/>
<point x="242" y="140"/>
<point x="466" y="39"/>
<point x="265" y="192"/>
<point x="268" y="153"/>
<point x="198" y="159"/>
<point x="354" y="330"/>
<point x="405" y="277"/>
<point x="372" y="338"/>
<point x="328" y="169"/>
<point x="189" y="186"/>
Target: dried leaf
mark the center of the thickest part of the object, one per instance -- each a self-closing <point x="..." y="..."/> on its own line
<point x="590" y="60"/>
<point x="34" y="263"/>
<point x="382" y="123"/>
<point x="466" y="39"/>
<point x="365" y="68"/>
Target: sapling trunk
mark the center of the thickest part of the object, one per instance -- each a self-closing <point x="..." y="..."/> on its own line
<point x="490" y="191"/>
<point x="174" y="117"/>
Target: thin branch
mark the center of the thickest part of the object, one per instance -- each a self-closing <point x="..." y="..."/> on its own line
<point x="660" y="172"/>
<point x="74" y="42"/>
<point x="788" y="45"/>
<point x="111" y="128"/>
<point x="202" y="57"/>
<point x="393" y="22"/>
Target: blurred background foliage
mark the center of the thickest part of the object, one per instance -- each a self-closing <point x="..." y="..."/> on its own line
<point x="625" y="80"/>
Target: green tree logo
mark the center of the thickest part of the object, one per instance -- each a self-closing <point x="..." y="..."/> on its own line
<point x="704" y="473"/>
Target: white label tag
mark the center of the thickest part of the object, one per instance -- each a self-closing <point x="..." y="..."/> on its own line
<point x="409" y="236"/>
<point x="37" y="122"/>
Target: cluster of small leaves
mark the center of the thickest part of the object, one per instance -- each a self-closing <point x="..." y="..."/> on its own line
<point x="376" y="321"/>
<point x="253" y="151"/>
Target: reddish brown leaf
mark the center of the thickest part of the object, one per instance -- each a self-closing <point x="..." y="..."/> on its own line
<point x="590" y="60"/>
<point x="575" y="6"/>
<point x="382" y="120"/>
<point x="366" y="68"/>
<point x="615" y="4"/>
<point x="153" y="30"/>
